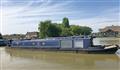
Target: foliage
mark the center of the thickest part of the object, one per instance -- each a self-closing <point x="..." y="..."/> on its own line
<point x="65" y="22"/>
<point x="53" y="30"/>
<point x="76" y="30"/>
<point x="43" y="27"/>
<point x="86" y="30"/>
<point x="49" y="29"/>
<point x="66" y="32"/>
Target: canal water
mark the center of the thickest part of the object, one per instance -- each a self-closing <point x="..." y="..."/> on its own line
<point x="23" y="59"/>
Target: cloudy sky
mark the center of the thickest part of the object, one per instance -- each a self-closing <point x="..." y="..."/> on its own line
<point x="21" y="16"/>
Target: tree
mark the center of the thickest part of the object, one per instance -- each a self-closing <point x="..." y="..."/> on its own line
<point x="86" y="30"/>
<point x="75" y="30"/>
<point x="53" y="30"/>
<point x="66" y="32"/>
<point x="48" y="29"/>
<point x="65" y="22"/>
<point x="43" y="28"/>
<point x="1" y="36"/>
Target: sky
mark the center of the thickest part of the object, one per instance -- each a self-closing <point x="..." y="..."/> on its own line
<point x="21" y="16"/>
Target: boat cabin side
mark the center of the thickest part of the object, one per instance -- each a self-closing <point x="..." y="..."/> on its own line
<point x="53" y="43"/>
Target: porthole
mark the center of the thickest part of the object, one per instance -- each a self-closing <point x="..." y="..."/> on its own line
<point x="33" y="43"/>
<point x="43" y="43"/>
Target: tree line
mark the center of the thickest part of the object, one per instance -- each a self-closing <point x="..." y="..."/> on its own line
<point x="49" y="29"/>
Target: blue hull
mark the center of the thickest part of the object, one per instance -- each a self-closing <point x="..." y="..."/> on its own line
<point x="88" y="51"/>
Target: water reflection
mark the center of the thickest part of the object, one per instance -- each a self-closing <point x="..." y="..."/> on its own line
<point x="61" y="61"/>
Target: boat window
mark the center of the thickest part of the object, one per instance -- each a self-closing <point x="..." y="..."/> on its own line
<point x="78" y="43"/>
<point x="66" y="43"/>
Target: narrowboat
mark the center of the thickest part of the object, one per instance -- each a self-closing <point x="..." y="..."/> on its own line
<point x="72" y="44"/>
<point x="3" y="42"/>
